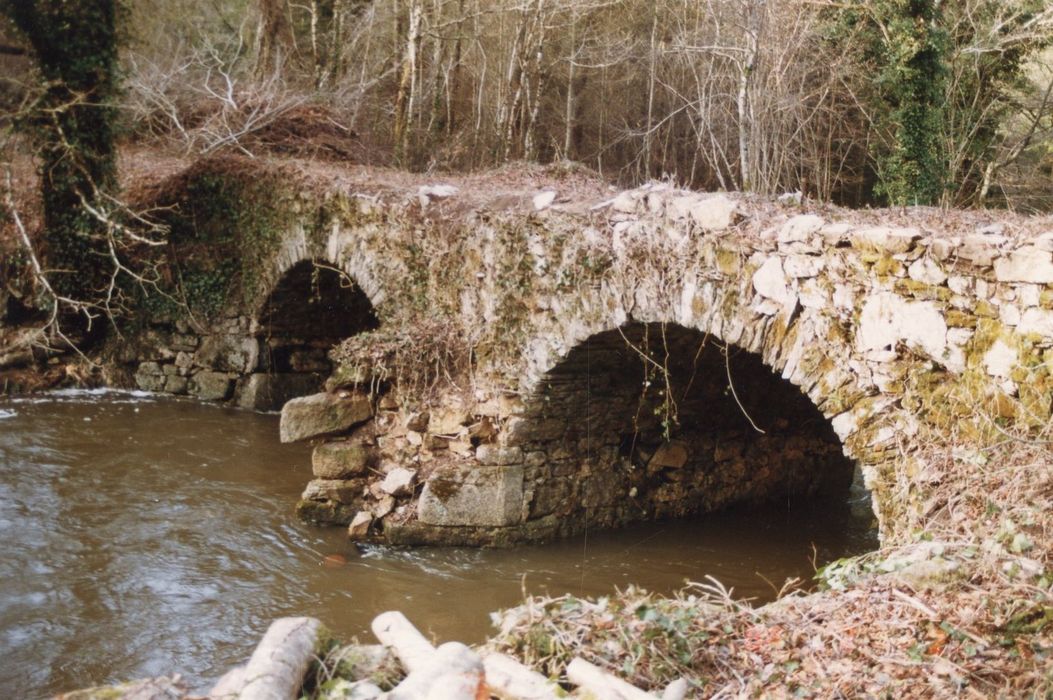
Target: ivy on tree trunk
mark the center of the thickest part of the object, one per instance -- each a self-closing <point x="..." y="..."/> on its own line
<point x="912" y="85"/>
<point x="75" y="48"/>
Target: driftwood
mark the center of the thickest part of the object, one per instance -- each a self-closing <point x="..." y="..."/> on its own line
<point x="229" y="686"/>
<point x="277" y="667"/>
<point x="677" y="690"/>
<point x="452" y="672"/>
<point x="602" y="684"/>
<point x="456" y="672"/>
<point x="510" y="680"/>
<point x="395" y="631"/>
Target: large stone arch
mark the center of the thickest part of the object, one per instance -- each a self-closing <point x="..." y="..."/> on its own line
<point x="803" y="347"/>
<point x="549" y="472"/>
<point x="249" y="354"/>
<point x="653" y="420"/>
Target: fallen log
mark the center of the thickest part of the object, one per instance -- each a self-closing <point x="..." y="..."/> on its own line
<point x="277" y="667"/>
<point x="395" y="631"/>
<point x="510" y="680"/>
<point x="229" y="685"/>
<point x="677" y="690"/>
<point x="602" y="684"/>
<point x="452" y="672"/>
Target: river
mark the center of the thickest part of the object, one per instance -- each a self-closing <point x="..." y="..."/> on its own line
<point x="142" y="536"/>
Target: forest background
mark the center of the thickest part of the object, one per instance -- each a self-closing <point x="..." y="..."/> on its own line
<point x="854" y="102"/>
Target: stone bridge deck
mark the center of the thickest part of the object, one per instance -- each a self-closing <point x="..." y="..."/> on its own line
<point x="522" y="353"/>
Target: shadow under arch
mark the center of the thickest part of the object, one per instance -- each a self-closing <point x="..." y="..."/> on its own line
<point x="312" y="307"/>
<point x="656" y="420"/>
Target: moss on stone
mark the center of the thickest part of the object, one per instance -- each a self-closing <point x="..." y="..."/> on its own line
<point x="959" y="319"/>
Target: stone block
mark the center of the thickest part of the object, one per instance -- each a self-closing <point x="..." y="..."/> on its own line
<point x="359" y="527"/>
<point x="803" y="266"/>
<point x="340" y="490"/>
<point x="341" y="459"/>
<point x="980" y="249"/>
<point x="771" y="282"/>
<point x="269" y="392"/>
<point x="887" y="319"/>
<point x="211" y="386"/>
<point x="1037" y="321"/>
<point x="495" y="456"/>
<point x="418" y="421"/>
<point x="325" y="512"/>
<point x="462" y="496"/>
<point x="448" y="421"/>
<point x="398" y="482"/>
<point x="885" y="239"/>
<point x="175" y="384"/>
<point x="149" y="377"/>
<point x="435" y="443"/>
<point x="927" y="271"/>
<point x="229" y="353"/>
<point x="800" y="229"/>
<point x="1026" y="264"/>
<point x="384" y="506"/>
<point x="1000" y="359"/>
<point x="670" y="455"/>
<point x="148" y="368"/>
<point x="714" y="213"/>
<point x="324" y="414"/>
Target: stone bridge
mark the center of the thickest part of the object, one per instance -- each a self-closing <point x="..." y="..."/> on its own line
<point x="516" y="355"/>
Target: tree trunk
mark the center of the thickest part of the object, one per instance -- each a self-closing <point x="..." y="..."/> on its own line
<point x="274" y="37"/>
<point x="404" y="98"/>
<point x="75" y="46"/>
<point x="277" y="667"/>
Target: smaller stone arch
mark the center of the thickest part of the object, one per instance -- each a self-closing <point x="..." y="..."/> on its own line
<point x="656" y="420"/>
<point x="312" y="307"/>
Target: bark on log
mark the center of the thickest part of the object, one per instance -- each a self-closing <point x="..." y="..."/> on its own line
<point x="229" y="686"/>
<point x="395" y="631"/>
<point x="677" y="690"/>
<point x="452" y="669"/>
<point x="510" y="680"/>
<point x="597" y="681"/>
<point x="277" y="667"/>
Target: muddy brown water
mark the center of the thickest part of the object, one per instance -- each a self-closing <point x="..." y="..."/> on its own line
<point x="141" y="536"/>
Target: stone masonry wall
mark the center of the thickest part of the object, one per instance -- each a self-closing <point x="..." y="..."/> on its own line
<point x="257" y="361"/>
<point x="899" y="327"/>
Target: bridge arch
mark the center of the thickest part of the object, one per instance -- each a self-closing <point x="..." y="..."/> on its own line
<point x="653" y="420"/>
<point x="311" y="306"/>
<point x="691" y="401"/>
